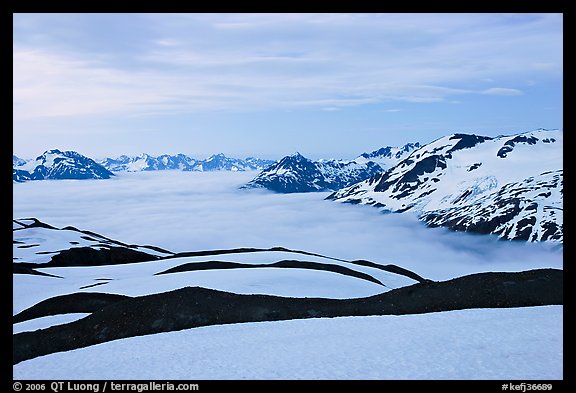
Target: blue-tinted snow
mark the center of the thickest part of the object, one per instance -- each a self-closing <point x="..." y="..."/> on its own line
<point x="502" y="344"/>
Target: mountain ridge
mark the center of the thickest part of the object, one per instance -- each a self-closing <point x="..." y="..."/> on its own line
<point x="216" y="162"/>
<point x="57" y="164"/>
<point x="295" y="173"/>
<point x="458" y="180"/>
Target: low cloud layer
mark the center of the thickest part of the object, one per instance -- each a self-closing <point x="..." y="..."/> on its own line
<point x="186" y="211"/>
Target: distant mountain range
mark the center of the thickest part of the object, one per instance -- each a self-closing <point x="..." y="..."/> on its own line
<point x="217" y="162"/>
<point x="322" y="175"/>
<point x="511" y="186"/>
<point x="56" y="164"/>
<point x="296" y="173"/>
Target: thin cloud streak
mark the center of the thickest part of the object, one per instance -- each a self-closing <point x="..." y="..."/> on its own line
<point x="502" y="91"/>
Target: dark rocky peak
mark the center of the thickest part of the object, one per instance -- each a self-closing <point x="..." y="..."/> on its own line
<point x="382" y="152"/>
<point x="219" y="156"/>
<point x="509" y="144"/>
<point x="295" y="158"/>
<point x="408" y="148"/>
<point x="467" y="141"/>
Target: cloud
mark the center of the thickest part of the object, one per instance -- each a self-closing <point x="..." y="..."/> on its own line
<point x="50" y="85"/>
<point x="196" y="62"/>
<point x="166" y="42"/>
<point x="545" y="66"/>
<point x="185" y="211"/>
<point x="502" y="91"/>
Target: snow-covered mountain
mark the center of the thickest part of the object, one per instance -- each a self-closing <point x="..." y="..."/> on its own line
<point x="388" y="156"/>
<point x="511" y="186"/>
<point x="296" y="173"/>
<point x="17" y="161"/>
<point x="145" y="162"/>
<point x="217" y="162"/>
<point x="19" y="175"/>
<point x="56" y="164"/>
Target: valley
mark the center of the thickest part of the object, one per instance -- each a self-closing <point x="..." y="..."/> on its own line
<point x="153" y="252"/>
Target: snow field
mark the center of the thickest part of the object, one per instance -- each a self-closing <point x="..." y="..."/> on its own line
<point x="508" y="344"/>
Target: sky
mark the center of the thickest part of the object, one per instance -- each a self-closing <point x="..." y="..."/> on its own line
<point x="268" y="85"/>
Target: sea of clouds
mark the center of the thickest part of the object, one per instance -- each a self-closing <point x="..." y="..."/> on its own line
<point x="187" y="211"/>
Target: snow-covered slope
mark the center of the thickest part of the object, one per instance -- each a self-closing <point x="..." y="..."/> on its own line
<point x="296" y="173"/>
<point x="56" y="164"/>
<point x="146" y="298"/>
<point x="509" y="185"/>
<point x="35" y="242"/>
<point x="41" y="248"/>
<point x="144" y="278"/>
<point x="530" y="210"/>
<point x="217" y="162"/>
<point x="483" y="344"/>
